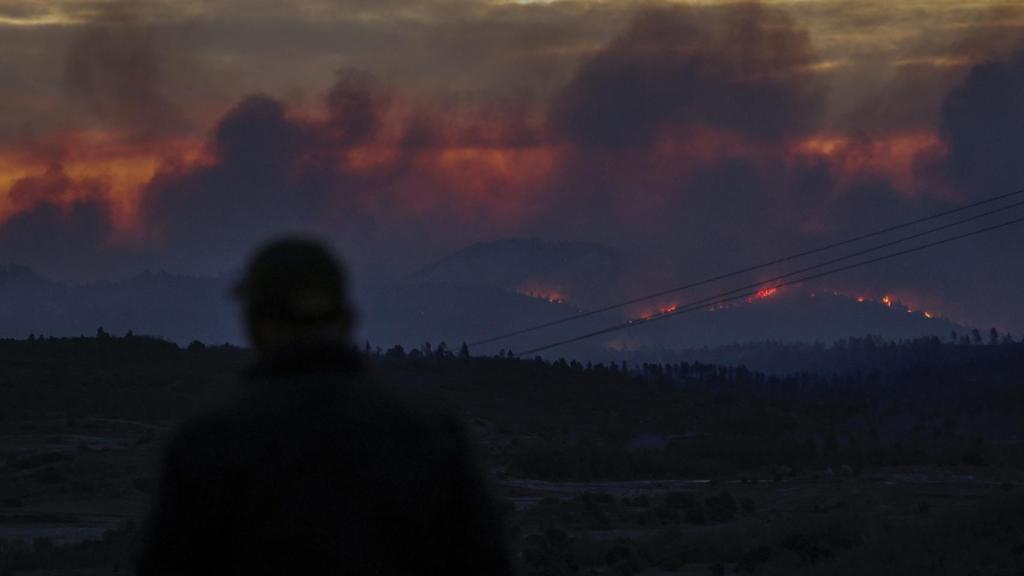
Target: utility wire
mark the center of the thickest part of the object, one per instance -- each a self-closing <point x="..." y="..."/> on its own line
<point x="701" y="304"/>
<point x="752" y="268"/>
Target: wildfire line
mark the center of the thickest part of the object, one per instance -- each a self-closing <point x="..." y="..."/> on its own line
<point x="723" y="300"/>
<point x="752" y="268"/>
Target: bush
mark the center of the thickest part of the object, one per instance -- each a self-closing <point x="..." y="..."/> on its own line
<point x="549" y="554"/>
<point x="721" y="507"/>
<point x="681" y="500"/>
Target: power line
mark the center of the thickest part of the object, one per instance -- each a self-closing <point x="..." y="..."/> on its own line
<point x="700" y="304"/>
<point x="753" y="268"/>
<point x="760" y="285"/>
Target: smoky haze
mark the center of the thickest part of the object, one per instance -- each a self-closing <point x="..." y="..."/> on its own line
<point x="689" y="139"/>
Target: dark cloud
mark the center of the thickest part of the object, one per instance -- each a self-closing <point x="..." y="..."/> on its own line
<point x="356" y="103"/>
<point x="879" y="98"/>
<point x="257" y="138"/>
<point x="983" y="125"/>
<point x="80" y="249"/>
<point x="130" y="74"/>
<point x="679" y="132"/>
<point x="682" y="137"/>
<point x="673" y="138"/>
<point x="22" y="11"/>
<point x="271" y="171"/>
<point x="350" y="171"/>
<point x="52" y="187"/>
<point x="743" y="68"/>
<point x="114" y="72"/>
<point x="210" y="214"/>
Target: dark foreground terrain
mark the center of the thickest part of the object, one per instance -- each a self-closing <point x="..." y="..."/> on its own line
<point x="900" y="459"/>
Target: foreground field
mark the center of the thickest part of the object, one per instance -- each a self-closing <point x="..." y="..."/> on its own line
<point x="73" y="493"/>
<point x="601" y="470"/>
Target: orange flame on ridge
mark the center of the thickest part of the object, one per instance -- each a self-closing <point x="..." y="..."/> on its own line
<point x="552" y="295"/>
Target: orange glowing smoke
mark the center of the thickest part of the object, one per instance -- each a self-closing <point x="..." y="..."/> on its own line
<point x="890" y="156"/>
<point x="486" y="180"/>
<point x="490" y="180"/>
<point x="120" y="169"/>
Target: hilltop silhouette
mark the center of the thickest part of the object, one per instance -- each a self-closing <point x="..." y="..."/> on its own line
<point x="475" y="293"/>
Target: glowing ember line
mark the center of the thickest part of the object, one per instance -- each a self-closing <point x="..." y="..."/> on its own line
<point x="763" y="294"/>
<point x="552" y="296"/>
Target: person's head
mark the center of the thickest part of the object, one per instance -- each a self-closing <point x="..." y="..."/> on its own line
<point x="293" y="291"/>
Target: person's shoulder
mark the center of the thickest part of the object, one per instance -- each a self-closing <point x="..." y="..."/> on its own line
<point x="212" y="436"/>
<point x="406" y="415"/>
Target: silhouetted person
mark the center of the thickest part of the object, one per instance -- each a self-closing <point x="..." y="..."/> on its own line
<point x="314" y="470"/>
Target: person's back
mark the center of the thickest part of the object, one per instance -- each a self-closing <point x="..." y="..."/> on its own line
<point x="317" y="471"/>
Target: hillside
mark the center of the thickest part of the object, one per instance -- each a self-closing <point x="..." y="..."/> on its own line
<point x="478" y="292"/>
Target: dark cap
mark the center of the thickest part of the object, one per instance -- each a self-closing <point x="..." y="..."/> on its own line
<point x="294" y="280"/>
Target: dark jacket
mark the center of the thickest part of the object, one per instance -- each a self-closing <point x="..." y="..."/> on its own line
<point x="315" y="471"/>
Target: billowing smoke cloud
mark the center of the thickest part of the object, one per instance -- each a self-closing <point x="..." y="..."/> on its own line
<point x="697" y="137"/>
<point x="125" y="73"/>
<point x="681" y="130"/>
<point x="744" y="69"/>
<point x="52" y="187"/>
<point x="983" y="124"/>
<point x="346" y="175"/>
<point x="114" y="74"/>
<point x="72" y="238"/>
<point x="356" y="104"/>
<point x="270" y="173"/>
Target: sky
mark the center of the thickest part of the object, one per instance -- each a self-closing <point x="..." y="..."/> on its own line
<point x="694" y="137"/>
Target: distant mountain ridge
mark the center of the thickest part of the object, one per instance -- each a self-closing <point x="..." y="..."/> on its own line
<point x="176" y="307"/>
<point x="793" y="314"/>
<point x="478" y="292"/>
<point x="531" y="266"/>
